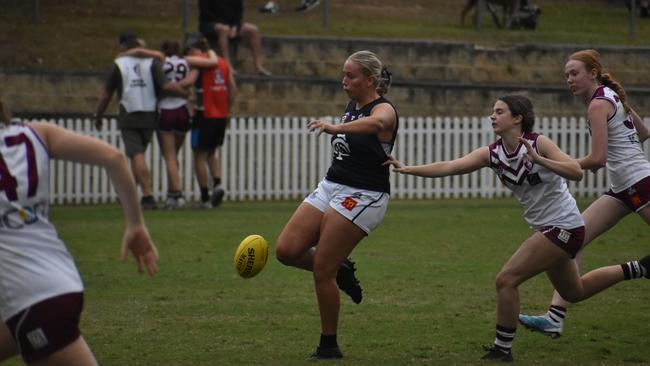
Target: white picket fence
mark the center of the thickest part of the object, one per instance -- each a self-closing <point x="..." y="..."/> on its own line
<point x="275" y="158"/>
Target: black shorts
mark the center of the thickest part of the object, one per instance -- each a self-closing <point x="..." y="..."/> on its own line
<point x="207" y="30"/>
<point x="47" y="326"/>
<point x="208" y="133"/>
<point x="174" y="120"/>
<point x="636" y="197"/>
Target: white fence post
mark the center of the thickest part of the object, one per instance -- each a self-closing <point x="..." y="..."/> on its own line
<point x="271" y="158"/>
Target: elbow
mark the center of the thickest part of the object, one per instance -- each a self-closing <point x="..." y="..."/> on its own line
<point x="600" y="162"/>
<point x="577" y="176"/>
<point x="594" y="163"/>
<point x="643" y="137"/>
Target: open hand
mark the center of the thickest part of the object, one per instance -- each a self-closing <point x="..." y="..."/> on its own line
<point x="139" y="243"/>
<point x="531" y="154"/>
<point x="320" y="126"/>
<point x="397" y="165"/>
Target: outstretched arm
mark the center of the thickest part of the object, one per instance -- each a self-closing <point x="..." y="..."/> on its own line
<point x="382" y="118"/>
<point x="67" y="145"/>
<point x="553" y="158"/>
<point x="475" y="160"/>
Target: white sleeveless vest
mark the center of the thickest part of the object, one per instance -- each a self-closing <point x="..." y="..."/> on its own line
<point x="138" y="89"/>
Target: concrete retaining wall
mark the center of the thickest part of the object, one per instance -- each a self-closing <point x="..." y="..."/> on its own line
<point x="429" y="78"/>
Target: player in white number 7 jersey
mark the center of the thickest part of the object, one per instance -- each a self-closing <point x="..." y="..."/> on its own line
<point x="41" y="293"/>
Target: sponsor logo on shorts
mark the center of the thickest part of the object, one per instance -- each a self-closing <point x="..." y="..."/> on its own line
<point x="635" y="200"/>
<point x="564" y="236"/>
<point x="37" y="338"/>
<point x="349" y="203"/>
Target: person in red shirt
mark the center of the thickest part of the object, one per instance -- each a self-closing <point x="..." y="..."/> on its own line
<point x="215" y="92"/>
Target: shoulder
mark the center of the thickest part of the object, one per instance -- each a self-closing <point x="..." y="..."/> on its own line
<point x="382" y="104"/>
<point x="600" y="106"/>
<point x="604" y="96"/>
<point x="494" y="146"/>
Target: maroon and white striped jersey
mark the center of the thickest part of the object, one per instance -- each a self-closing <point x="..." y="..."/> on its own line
<point x="176" y="69"/>
<point x="34" y="263"/>
<point x="626" y="163"/>
<point x="544" y="194"/>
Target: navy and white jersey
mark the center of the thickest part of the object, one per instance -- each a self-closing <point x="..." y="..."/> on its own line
<point x="626" y="163"/>
<point x="357" y="159"/>
<point x="34" y="263"/>
<point x="543" y="193"/>
<point x="176" y="69"/>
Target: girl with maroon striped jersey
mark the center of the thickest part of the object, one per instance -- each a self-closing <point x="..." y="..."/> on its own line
<point x="616" y="132"/>
<point x="41" y="292"/>
<point x="535" y="169"/>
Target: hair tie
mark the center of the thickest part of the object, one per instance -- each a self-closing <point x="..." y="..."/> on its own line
<point x="386" y="74"/>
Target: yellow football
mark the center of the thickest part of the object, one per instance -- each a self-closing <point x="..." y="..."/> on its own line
<point x="251" y="255"/>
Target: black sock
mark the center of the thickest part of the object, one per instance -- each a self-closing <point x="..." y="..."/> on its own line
<point x="504" y="338"/>
<point x="204" y="195"/>
<point x="632" y="270"/>
<point x="216" y="181"/>
<point x="328" y="341"/>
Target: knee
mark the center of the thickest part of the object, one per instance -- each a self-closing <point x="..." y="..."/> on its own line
<point x="221" y="29"/>
<point x="323" y="272"/>
<point x="250" y="30"/>
<point x="504" y="280"/>
<point x="284" y="253"/>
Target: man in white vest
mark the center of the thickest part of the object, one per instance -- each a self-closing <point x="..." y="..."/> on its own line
<point x="138" y="82"/>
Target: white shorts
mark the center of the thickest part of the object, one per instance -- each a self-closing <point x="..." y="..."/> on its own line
<point x="364" y="208"/>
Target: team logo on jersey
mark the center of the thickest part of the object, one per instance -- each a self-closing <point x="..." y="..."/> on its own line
<point x="340" y="147"/>
<point x="564" y="236"/>
<point x="349" y="203"/>
<point x="17" y="217"/>
<point x="138" y="81"/>
<point x="218" y="77"/>
<point x="348" y="118"/>
<point x="533" y="179"/>
<point x="628" y="123"/>
<point x="137" y="70"/>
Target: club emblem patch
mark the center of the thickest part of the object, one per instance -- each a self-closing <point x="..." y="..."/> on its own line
<point x="564" y="236"/>
<point x="349" y="203"/>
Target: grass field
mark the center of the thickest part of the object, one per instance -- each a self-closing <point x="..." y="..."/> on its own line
<point x="81" y="34"/>
<point x="427" y="273"/>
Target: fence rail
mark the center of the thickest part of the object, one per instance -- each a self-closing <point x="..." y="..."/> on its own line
<point x="275" y="158"/>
